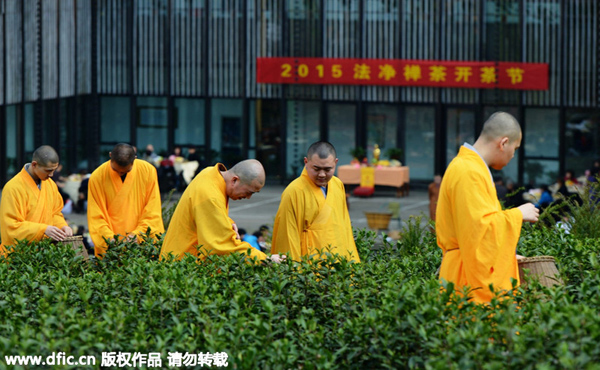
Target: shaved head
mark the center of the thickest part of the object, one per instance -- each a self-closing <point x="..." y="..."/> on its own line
<point x="45" y="155"/>
<point x="321" y="148"/>
<point x="499" y="125"/>
<point x="123" y="154"/>
<point x="248" y="171"/>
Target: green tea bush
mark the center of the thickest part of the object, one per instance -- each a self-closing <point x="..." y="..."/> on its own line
<point x="387" y="312"/>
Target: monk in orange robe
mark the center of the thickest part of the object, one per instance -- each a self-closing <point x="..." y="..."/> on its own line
<point x="477" y="237"/>
<point x="201" y="224"/>
<point x="313" y="216"/>
<point x="123" y="199"/>
<point x="31" y="204"/>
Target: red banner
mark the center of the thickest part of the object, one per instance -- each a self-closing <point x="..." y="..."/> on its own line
<point x="403" y="72"/>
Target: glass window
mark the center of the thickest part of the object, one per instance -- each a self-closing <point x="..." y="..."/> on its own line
<point x="582" y="140"/>
<point x="539" y="172"/>
<point x="267" y="135"/>
<point x="382" y="128"/>
<point x="115" y="120"/>
<point x="302" y="131"/>
<point x="541" y="132"/>
<point x="226" y="130"/>
<point x="29" y="130"/>
<point x="12" y="167"/>
<point x="460" y="129"/>
<point x="190" y="128"/>
<point x="152" y="121"/>
<point x="419" y="148"/>
<point x="342" y="130"/>
<point x="511" y="171"/>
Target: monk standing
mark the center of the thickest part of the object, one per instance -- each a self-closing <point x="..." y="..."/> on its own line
<point x="477" y="237"/>
<point x="31" y="205"/>
<point x="123" y="198"/>
<point x="313" y="216"/>
<point x="201" y="225"/>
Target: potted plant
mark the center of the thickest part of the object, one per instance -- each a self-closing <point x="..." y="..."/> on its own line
<point x="394" y="153"/>
<point x="359" y="154"/>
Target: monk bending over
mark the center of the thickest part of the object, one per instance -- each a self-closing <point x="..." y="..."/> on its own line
<point x="477" y="237"/>
<point x="201" y="225"/>
<point x="313" y="216"/>
<point x="123" y="199"/>
<point x="31" y="205"/>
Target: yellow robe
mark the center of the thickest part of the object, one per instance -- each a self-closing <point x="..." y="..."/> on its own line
<point x="477" y="237"/>
<point x="26" y="211"/>
<point x="201" y="219"/>
<point x="120" y="208"/>
<point x="307" y="222"/>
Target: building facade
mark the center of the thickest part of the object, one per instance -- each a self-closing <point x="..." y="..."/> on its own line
<point x="83" y="75"/>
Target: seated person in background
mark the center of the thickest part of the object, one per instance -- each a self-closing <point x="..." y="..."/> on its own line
<point x="249" y="238"/>
<point x="177" y="155"/>
<point x="545" y="198"/>
<point x="570" y="178"/>
<point x="561" y="188"/>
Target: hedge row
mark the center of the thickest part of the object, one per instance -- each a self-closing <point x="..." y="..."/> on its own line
<point x="387" y="312"/>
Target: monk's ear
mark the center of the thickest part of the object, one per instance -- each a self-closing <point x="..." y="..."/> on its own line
<point x="305" y="160"/>
<point x="503" y="142"/>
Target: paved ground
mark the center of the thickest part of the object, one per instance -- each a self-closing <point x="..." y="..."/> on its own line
<point x="250" y="214"/>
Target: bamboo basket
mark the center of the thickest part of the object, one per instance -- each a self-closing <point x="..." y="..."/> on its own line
<point x="542" y="268"/>
<point x="378" y="221"/>
<point x="76" y="243"/>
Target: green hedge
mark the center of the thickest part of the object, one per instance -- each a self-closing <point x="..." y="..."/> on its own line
<point x="387" y="312"/>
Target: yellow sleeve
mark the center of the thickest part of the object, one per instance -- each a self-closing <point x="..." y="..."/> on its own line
<point x="13" y="215"/>
<point x="486" y="234"/>
<point x="152" y="213"/>
<point x="288" y="228"/>
<point x="98" y="219"/>
<point x="215" y="233"/>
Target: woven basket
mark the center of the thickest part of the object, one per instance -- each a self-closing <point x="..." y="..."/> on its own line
<point x="378" y="221"/>
<point x="76" y="243"/>
<point x="542" y="268"/>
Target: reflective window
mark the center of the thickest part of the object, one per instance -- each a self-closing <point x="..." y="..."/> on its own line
<point x="226" y="130"/>
<point x="460" y="129"/>
<point x="582" y="140"/>
<point x="265" y="134"/>
<point x="152" y="122"/>
<point x="190" y="128"/>
<point x="342" y="130"/>
<point x="115" y="120"/>
<point x="302" y="131"/>
<point x="382" y="128"/>
<point x="12" y="167"/>
<point x="419" y="148"/>
<point x="541" y="132"/>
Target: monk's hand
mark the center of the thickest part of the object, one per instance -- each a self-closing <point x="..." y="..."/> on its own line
<point x="277" y="258"/>
<point x="530" y="212"/>
<point x="235" y="228"/>
<point x="55" y="233"/>
<point x="68" y="231"/>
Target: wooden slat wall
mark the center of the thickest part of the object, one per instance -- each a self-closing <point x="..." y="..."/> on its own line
<point x="263" y="28"/>
<point x="460" y="29"/>
<point x="187" y="42"/>
<point x="14" y="57"/>
<point x="580" y="52"/>
<point x="49" y="49"/>
<point x="112" y="47"/>
<point x="54" y="57"/>
<point x="421" y="40"/>
<point x="381" y="39"/>
<point x="83" y="55"/>
<point x="341" y="39"/>
<point x="225" y="59"/>
<point x="149" y="67"/>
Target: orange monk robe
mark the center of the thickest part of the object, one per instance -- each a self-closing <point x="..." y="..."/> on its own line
<point x="477" y="237"/>
<point x="122" y="208"/>
<point x="201" y="219"/>
<point x="26" y="211"/>
<point x="307" y="222"/>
